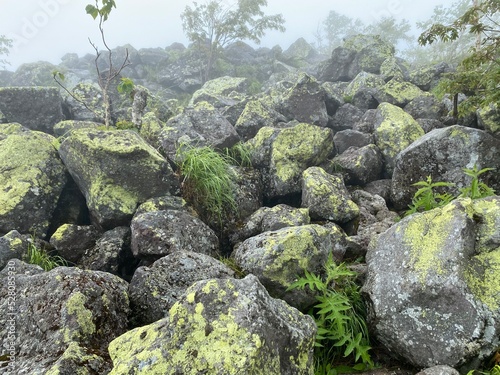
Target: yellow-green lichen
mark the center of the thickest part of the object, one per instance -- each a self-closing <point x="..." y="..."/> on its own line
<point x="104" y="192"/>
<point x="488" y="229"/>
<point x="401" y="92"/>
<point x="76" y="306"/>
<point x="76" y="354"/>
<point x="61" y="231"/>
<point x="482" y="278"/>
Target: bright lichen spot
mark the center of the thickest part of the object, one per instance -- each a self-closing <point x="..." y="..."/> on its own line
<point x="74" y="353"/>
<point x="482" y="278"/>
<point x="76" y="306"/>
<point x="488" y="232"/>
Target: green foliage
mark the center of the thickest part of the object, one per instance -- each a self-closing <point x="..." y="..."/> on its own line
<point x="125" y="125"/>
<point x="5" y="45"/>
<point x="102" y="12"/>
<point x="478" y="74"/>
<point x="231" y="263"/>
<point x="211" y="26"/>
<point x="126" y="86"/>
<point x="207" y="180"/>
<point x="340" y="315"/>
<point x="335" y="28"/>
<point x="41" y="258"/>
<point x="495" y="370"/>
<point x="348" y="98"/>
<point x="476" y="189"/>
<point x="239" y="154"/>
<point x="426" y="198"/>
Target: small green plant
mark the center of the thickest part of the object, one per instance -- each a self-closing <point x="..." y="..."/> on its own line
<point x="340" y="315"/>
<point x="348" y="98"/>
<point x="230" y="263"/>
<point x="476" y="189"/>
<point x="426" y="198"/>
<point x="495" y="370"/>
<point x="41" y="258"/>
<point x="239" y="154"/>
<point x="207" y="180"/>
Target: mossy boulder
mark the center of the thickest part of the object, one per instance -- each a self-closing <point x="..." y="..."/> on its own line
<point x="326" y="196"/>
<point x="394" y="67"/>
<point x="12" y="246"/>
<point x="432" y="285"/>
<point x="116" y="170"/>
<point x="363" y="81"/>
<point x="398" y="92"/>
<point x="427" y="77"/>
<point x="394" y="130"/>
<point x="283" y="154"/>
<point x="61" y="309"/>
<point x="442" y="154"/>
<point x="153" y="290"/>
<point x="71" y="240"/>
<point x="221" y="91"/>
<point x="488" y="118"/>
<point x="220" y="326"/>
<point x="256" y="115"/>
<point x="31" y="180"/>
<point x="279" y="257"/>
<point x="359" y="166"/>
<point x="91" y="95"/>
<point x="64" y="128"/>
<point x="426" y="107"/>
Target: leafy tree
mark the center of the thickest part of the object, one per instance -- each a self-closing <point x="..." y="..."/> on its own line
<point x="337" y="27"/>
<point x="391" y="30"/>
<point x="212" y="26"/>
<point x="5" y="44"/>
<point x="478" y="75"/>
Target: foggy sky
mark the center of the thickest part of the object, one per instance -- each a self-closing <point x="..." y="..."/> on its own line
<point x="48" y="29"/>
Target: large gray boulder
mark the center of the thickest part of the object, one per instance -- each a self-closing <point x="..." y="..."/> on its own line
<point x="116" y="171"/>
<point x="37" y="108"/>
<point x="32" y="178"/>
<point x="153" y="290"/>
<point x="256" y="115"/>
<point x="220" y="326"/>
<point x="441" y="154"/>
<point x="221" y="91"/>
<point x="432" y="284"/>
<point x="360" y="166"/>
<point x="57" y="313"/>
<point x="12" y="246"/>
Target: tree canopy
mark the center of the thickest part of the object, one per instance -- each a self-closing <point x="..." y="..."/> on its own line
<point x="212" y="26"/>
<point x="5" y="45"/>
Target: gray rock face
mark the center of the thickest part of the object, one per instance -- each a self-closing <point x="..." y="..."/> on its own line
<point x="426" y="106"/>
<point x="199" y="126"/>
<point x="153" y="290"/>
<point x="31" y="180"/>
<point x="116" y="171"/>
<point x="58" y="311"/>
<point x="159" y="233"/>
<point x="345" y="117"/>
<point x="37" y="108"/>
<point x="12" y="246"/>
<point x="72" y="240"/>
<point x="442" y="154"/>
<point x="351" y="138"/>
<point x="221" y="326"/>
<point x="256" y="115"/>
<point x="220" y="91"/>
<point x="432" y="298"/>
<point x="360" y="165"/>
<point x="279" y="257"/>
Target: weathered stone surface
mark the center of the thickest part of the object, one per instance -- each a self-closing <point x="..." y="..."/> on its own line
<point x="398" y="92"/>
<point x="279" y="257"/>
<point x="269" y="219"/>
<point x="351" y="138"/>
<point x="116" y="171"/>
<point x="394" y="67"/>
<point x="58" y="311"/>
<point x="91" y="94"/>
<point x="426" y="106"/>
<point x="12" y="246"/>
<point x="394" y="131"/>
<point x="64" y="128"/>
<point x="168" y="202"/>
<point x="256" y="115"/>
<point x="438" y="370"/>
<point x="432" y="284"/>
<point x="71" y="241"/>
<point x="488" y="118"/>
<point x="222" y="90"/>
<point x="159" y="233"/>
<point x="345" y="117"/>
<point x="153" y="290"/>
<point x="326" y="196"/>
<point x="199" y="126"/>
<point x="220" y="326"/>
<point x="442" y="154"/>
<point x="360" y="166"/>
<point x="37" y="108"/>
<point x="334" y="96"/>
<point x="31" y="180"/>
<point x="283" y="154"/>
<point x="427" y="77"/>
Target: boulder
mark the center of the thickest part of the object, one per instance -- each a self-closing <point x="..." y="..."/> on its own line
<point x="394" y="131"/>
<point x="299" y="54"/>
<point x="37" y="108"/>
<point x="488" y="118"/>
<point x="395" y="67"/>
<point x="283" y="154"/>
<point x="442" y="154"/>
<point x="426" y="107"/>
<point x="91" y="95"/>
<point x="362" y="90"/>
<point x="153" y="290"/>
<point x="360" y="166"/>
<point x="427" y="77"/>
<point x="334" y="96"/>
<point x="398" y="92"/>
<point x="255" y="116"/>
<point x="432" y="285"/>
<point x="280" y="257"/>
<point x="346" y="117"/>
<point x="64" y="128"/>
<point x="220" y="326"/>
<point x="66" y="310"/>
<point x="159" y="233"/>
<point x="38" y="73"/>
<point x="221" y="91"/>
<point x="12" y="246"/>
<point x="201" y="125"/>
<point x="327" y="197"/>
<point x="31" y="180"/>
<point x="116" y="171"/>
<point x="71" y="241"/>
<point x="351" y="138"/>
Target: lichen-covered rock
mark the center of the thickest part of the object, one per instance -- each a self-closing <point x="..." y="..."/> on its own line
<point x="438" y="370"/>
<point x="442" y="154"/>
<point x="398" y="92"/>
<point x="31" y="180"/>
<point x="334" y="96"/>
<point x="299" y="53"/>
<point x="111" y="253"/>
<point x="360" y="166"/>
<point x="362" y="82"/>
<point x="221" y="90"/>
<point x="394" y="67"/>
<point x="488" y="118"/>
<point x="394" y="131"/>
<point x="71" y="241"/>
<point x="153" y="290"/>
<point x="156" y="234"/>
<point x="168" y="202"/>
<point x="256" y="115"/>
<point x="345" y="117"/>
<point x="116" y="171"/>
<point x="220" y="326"/>
<point x="269" y="219"/>
<point x="351" y="138"/>
<point x="327" y="197"/>
<point x="151" y="129"/>
<point x="64" y="128"/>
<point x="59" y="310"/>
<point x="12" y="246"/>
<point x="427" y="77"/>
<point x="283" y="154"/>
<point x="426" y="106"/>
<point x="37" y="108"/>
<point x="91" y="94"/>
<point x="278" y="258"/>
<point x="201" y="125"/>
<point x="432" y="284"/>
